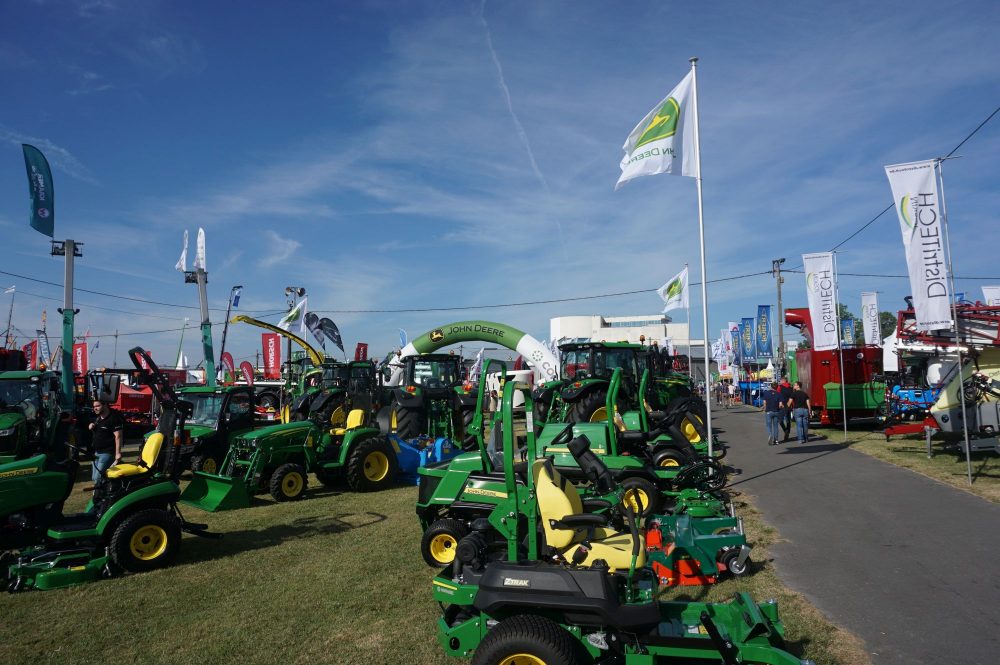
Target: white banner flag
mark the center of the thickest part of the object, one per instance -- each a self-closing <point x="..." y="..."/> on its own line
<point x="182" y="263"/>
<point x="675" y="292"/>
<point x="821" y="288"/>
<point x="991" y="295"/>
<point x="663" y="137"/>
<point x="296" y="317"/>
<point x="870" y="318"/>
<point x="199" y="257"/>
<point x="915" y="197"/>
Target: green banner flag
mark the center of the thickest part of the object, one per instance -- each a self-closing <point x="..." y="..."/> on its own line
<point x="43" y="213"/>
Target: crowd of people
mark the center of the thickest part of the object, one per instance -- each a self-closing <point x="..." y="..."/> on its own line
<point x="784" y="404"/>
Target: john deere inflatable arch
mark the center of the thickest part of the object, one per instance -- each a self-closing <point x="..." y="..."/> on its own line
<point x="538" y="356"/>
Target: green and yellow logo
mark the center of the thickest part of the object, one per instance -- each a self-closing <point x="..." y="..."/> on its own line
<point x="437" y="335"/>
<point x="812" y="283"/>
<point x="663" y="125"/>
<point x="904" y="210"/>
<point x="674" y="289"/>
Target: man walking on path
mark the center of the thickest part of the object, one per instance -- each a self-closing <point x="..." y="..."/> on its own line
<point x="773" y="407"/>
<point x="801" y="408"/>
<point x="785" y="389"/>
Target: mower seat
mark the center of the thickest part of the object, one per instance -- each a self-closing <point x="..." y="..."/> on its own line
<point x="147" y="459"/>
<point x="558" y="503"/>
<point x="355" y="419"/>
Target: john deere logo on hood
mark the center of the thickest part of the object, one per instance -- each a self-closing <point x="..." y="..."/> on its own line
<point x="904" y="210"/>
<point x="437" y="335"/>
<point x="663" y="124"/>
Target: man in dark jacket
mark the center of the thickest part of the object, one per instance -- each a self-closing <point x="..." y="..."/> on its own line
<point x="785" y="390"/>
<point x="107" y="431"/>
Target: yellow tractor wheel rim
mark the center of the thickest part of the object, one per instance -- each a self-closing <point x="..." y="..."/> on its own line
<point x="601" y="415"/>
<point x="521" y="659"/>
<point x="443" y="548"/>
<point x="668" y="461"/>
<point x="209" y="465"/>
<point x="148" y="542"/>
<point x="292" y="484"/>
<point x="632" y="498"/>
<point x="376" y="466"/>
<point x="689" y="431"/>
<point x="337" y="418"/>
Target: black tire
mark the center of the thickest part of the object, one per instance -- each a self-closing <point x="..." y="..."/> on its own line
<point x="207" y="463"/>
<point x="382" y="419"/>
<point x="288" y="482"/>
<point x="707" y="476"/>
<point x="269" y="400"/>
<point x="372" y="465"/>
<point x="583" y="410"/>
<point x="329" y="478"/>
<point x="440" y="540"/>
<point x="647" y="492"/>
<point x="530" y="635"/>
<point x="670" y="458"/>
<point x="730" y="559"/>
<point x="145" y="541"/>
<point x="409" y="422"/>
<point x="539" y="414"/>
<point x="468" y="414"/>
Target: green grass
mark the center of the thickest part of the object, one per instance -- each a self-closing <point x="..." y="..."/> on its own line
<point x="335" y="578"/>
<point x="910" y="452"/>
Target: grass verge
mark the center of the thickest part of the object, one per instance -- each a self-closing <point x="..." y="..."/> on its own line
<point x="911" y="453"/>
<point x="336" y="578"/>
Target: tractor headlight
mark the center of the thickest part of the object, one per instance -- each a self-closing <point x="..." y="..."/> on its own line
<point x="8" y="432"/>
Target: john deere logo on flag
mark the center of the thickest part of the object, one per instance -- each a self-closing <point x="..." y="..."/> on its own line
<point x="437" y="335"/>
<point x="663" y="124"/>
<point x="674" y="289"/>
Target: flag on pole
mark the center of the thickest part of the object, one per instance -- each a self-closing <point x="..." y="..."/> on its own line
<point x="748" y="341"/>
<point x="664" y="140"/>
<point x="312" y="324"/>
<point x="915" y="197"/>
<point x="991" y="294"/>
<point x="8" y="290"/>
<point x="402" y="338"/>
<point x="477" y="366"/>
<point x="675" y="292"/>
<point x="870" y="321"/>
<point x="332" y="333"/>
<point x="296" y="317"/>
<point x="199" y="257"/>
<point x="821" y="289"/>
<point x="43" y="210"/>
<point x="182" y="263"/>
<point x="765" y="349"/>
<point x="847" y="331"/>
<point x="236" y="297"/>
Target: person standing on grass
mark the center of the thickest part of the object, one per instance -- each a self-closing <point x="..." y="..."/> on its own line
<point x="106" y="430"/>
<point x="785" y="388"/>
<point x="773" y="407"/>
<point x="801" y="408"/>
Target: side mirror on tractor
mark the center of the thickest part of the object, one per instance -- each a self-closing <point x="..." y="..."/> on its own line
<point x="106" y="387"/>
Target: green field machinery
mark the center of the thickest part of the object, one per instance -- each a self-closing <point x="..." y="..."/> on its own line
<point x="131" y="523"/>
<point x="431" y="399"/>
<point x="277" y="459"/>
<point x="573" y="589"/>
<point x="32" y="419"/>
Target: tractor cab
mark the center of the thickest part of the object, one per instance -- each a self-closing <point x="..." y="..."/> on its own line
<point x="431" y="400"/>
<point x="218" y="416"/>
<point x="30" y="414"/>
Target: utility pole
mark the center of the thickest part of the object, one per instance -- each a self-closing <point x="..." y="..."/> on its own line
<point x="9" y="339"/>
<point x="776" y="271"/>
<point x="70" y="249"/>
<point x="200" y="277"/>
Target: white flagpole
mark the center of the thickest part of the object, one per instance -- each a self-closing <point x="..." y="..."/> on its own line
<point x="954" y="315"/>
<point x="701" y="242"/>
<point x="688" y="311"/>
<point x="840" y="343"/>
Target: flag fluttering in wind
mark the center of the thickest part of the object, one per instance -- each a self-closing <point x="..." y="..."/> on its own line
<point x="43" y="210"/>
<point x="236" y="297"/>
<point x="199" y="256"/>
<point x="312" y="324"/>
<point x="663" y="142"/>
<point x="295" y="318"/>
<point x="8" y="290"/>
<point x="477" y="367"/>
<point x="821" y="290"/>
<point x="182" y="263"/>
<point x="675" y="292"/>
<point x="331" y="332"/>
<point x="402" y="338"/>
<point x="870" y="318"/>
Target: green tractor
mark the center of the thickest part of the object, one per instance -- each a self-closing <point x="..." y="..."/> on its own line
<point x="431" y="399"/>
<point x="573" y="588"/>
<point x="329" y="393"/>
<point x="277" y="459"/>
<point x="131" y="523"/>
<point x="31" y="417"/>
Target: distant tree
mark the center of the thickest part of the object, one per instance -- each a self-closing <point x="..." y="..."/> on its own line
<point x="887" y="322"/>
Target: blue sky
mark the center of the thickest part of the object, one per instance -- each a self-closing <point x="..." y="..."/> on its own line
<point x="390" y="155"/>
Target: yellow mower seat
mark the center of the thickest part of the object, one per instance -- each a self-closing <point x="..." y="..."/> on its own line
<point x="558" y="498"/>
<point x="355" y="419"/>
<point x="147" y="459"/>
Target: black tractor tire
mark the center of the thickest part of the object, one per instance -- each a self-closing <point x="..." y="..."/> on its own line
<point x="670" y="458"/>
<point x="372" y="465"/>
<point x="440" y="541"/>
<point x="382" y="419"/>
<point x="269" y="400"/>
<point x="530" y="635"/>
<point x="329" y="478"/>
<point x="288" y="482"/>
<point x="646" y="491"/>
<point x="539" y="414"/>
<point x="206" y="463"/>
<point x="468" y="414"/>
<point x="584" y="409"/>
<point x="409" y="422"/>
<point x="730" y="559"/>
<point x="147" y="540"/>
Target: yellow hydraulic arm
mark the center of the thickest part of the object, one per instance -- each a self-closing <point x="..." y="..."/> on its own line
<point x="314" y="355"/>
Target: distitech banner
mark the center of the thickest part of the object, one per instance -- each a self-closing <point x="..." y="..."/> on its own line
<point x="870" y="318"/>
<point x="271" y="343"/>
<point x="821" y="288"/>
<point x="915" y="196"/>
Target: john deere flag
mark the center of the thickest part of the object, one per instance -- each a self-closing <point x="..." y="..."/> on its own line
<point x="43" y="211"/>
<point x="763" y="332"/>
<point x="821" y="289"/>
<point x="295" y="318"/>
<point x="915" y="195"/>
<point x="748" y="349"/>
<point x="675" y="292"/>
<point x="663" y="142"/>
<point x="870" y="321"/>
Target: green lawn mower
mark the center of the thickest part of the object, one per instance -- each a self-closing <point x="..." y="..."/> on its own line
<point x="574" y="589"/>
<point x="431" y="400"/>
<point x="131" y="524"/>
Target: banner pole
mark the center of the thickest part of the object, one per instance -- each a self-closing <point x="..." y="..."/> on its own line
<point x="840" y="345"/>
<point x="939" y="172"/>
<point x="701" y="246"/>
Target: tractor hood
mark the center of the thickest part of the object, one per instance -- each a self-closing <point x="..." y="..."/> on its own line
<point x="197" y="431"/>
<point x="286" y="429"/>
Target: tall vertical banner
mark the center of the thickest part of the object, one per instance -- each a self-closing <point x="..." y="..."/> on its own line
<point x="734" y="335"/>
<point x="763" y="329"/>
<point x="228" y="366"/>
<point x="31" y="353"/>
<point x="43" y="346"/>
<point x="361" y="351"/>
<point x="915" y="197"/>
<point x="821" y="289"/>
<point x="43" y="210"/>
<point x="870" y="321"/>
<point x="847" y="331"/>
<point x="271" y="343"/>
<point x="247" y="370"/>
<point x="80" y="359"/>
<point x="748" y="346"/>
